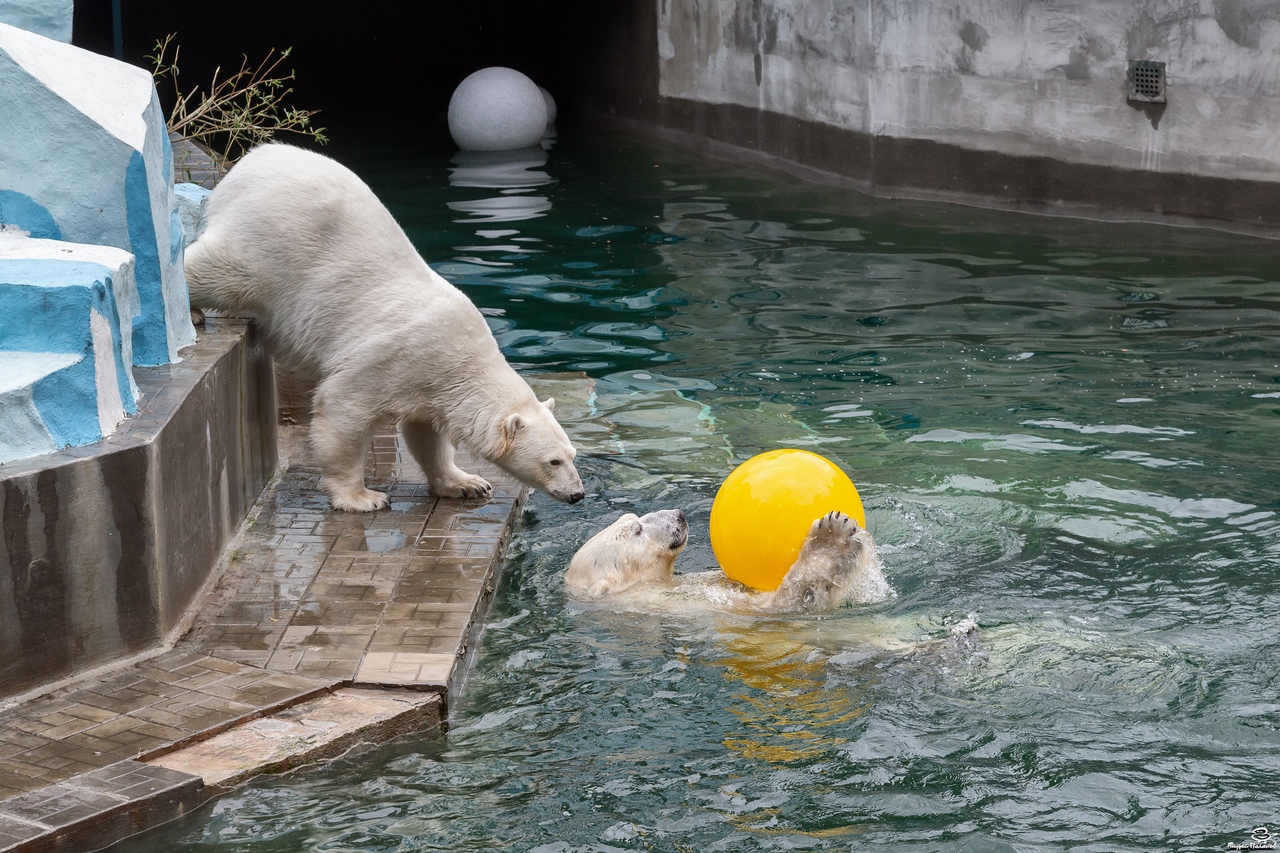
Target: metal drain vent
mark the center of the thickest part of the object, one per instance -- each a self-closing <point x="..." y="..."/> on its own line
<point x="1146" y="81"/>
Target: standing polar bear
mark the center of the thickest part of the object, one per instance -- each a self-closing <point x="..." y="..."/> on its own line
<point x="635" y="557"/>
<point x="300" y="244"/>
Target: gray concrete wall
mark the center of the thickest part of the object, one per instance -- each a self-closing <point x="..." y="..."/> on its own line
<point x="1014" y="100"/>
<point x="105" y="546"/>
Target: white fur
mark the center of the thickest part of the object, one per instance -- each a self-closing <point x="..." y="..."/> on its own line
<point x="630" y="551"/>
<point x="634" y="559"/>
<point x="299" y="243"/>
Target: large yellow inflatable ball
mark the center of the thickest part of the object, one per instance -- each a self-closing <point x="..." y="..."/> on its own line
<point x="763" y="511"/>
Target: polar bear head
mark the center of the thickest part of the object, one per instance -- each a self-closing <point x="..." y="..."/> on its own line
<point x="632" y="550"/>
<point x="534" y="449"/>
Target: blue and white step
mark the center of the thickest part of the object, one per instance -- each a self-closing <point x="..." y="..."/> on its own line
<point x="66" y="343"/>
<point x="87" y="159"/>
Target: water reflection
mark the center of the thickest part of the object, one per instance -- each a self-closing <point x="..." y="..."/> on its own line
<point x="785" y="711"/>
<point x="513" y="173"/>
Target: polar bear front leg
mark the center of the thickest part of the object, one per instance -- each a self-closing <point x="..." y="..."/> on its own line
<point x="831" y="537"/>
<point x="821" y="574"/>
<point x="434" y="454"/>
<point x="340" y="435"/>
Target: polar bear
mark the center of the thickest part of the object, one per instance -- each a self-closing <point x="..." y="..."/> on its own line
<point x="635" y="557"/>
<point x="300" y="244"/>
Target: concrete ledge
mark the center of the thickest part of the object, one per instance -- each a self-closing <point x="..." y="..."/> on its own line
<point x="319" y="730"/>
<point x="894" y="167"/>
<point x="107" y="545"/>
<point x="311" y="607"/>
<point x="92" y="810"/>
<point x="100" y="807"/>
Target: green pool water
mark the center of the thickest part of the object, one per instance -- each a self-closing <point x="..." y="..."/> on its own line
<point x="1068" y="428"/>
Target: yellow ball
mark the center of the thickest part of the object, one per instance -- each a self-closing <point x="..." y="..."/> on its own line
<point x="763" y="511"/>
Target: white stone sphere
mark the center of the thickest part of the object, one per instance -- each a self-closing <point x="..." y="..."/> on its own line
<point x="551" y="106"/>
<point x="497" y="109"/>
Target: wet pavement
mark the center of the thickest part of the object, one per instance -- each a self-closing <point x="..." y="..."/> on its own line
<point x="310" y="602"/>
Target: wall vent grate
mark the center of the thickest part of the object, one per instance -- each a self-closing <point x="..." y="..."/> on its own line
<point x="1146" y="81"/>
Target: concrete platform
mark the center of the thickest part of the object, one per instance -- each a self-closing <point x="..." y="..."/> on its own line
<point x="325" y="631"/>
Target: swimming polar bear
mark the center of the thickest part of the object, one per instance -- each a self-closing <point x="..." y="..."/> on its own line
<point x="303" y="246"/>
<point x="635" y="558"/>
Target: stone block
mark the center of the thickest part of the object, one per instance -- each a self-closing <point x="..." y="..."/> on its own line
<point x="192" y="200"/>
<point x="106" y="181"/>
<point x="66" y="340"/>
<point x="24" y="376"/>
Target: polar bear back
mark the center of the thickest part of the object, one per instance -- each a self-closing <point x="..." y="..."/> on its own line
<point x="300" y="243"/>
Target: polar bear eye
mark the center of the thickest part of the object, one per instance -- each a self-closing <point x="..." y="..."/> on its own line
<point x="555" y="463"/>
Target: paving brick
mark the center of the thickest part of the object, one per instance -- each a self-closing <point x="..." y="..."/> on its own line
<point x="397" y="668"/>
<point x="14" y="832"/>
<point x="130" y="780"/>
<point x="58" y="805"/>
<point x="87" y="713"/>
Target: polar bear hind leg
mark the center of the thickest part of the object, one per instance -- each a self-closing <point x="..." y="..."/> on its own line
<point x="340" y="434"/>
<point x="434" y="454"/>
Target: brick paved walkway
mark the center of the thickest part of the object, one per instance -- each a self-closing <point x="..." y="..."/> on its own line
<point x="311" y="601"/>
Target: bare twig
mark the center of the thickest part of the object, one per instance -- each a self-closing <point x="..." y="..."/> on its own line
<point x="236" y="112"/>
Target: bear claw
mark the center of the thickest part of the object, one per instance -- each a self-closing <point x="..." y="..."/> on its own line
<point x="834" y="527"/>
<point x="472" y="487"/>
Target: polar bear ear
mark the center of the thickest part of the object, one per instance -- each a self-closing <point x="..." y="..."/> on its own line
<point x="629" y="524"/>
<point x="512" y="425"/>
<point x="550" y="403"/>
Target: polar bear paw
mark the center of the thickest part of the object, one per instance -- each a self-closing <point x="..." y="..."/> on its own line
<point x="362" y="500"/>
<point x="462" y="485"/>
<point x="834" y="529"/>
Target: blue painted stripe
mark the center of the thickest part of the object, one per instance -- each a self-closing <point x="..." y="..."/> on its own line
<point x="150" y="329"/>
<point x="26" y="213"/>
<point x="67" y="401"/>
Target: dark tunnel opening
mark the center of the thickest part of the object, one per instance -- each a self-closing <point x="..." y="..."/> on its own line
<point x="401" y="60"/>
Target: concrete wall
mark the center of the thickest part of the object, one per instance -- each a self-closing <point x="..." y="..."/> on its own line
<point x="1013" y="100"/>
<point x="105" y="546"/>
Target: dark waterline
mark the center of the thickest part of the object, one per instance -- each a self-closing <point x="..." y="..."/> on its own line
<point x="1067" y="428"/>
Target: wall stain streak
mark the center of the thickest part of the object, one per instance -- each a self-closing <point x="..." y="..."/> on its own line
<point x="125" y="477"/>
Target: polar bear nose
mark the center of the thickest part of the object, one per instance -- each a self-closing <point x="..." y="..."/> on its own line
<point x="576" y="496"/>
